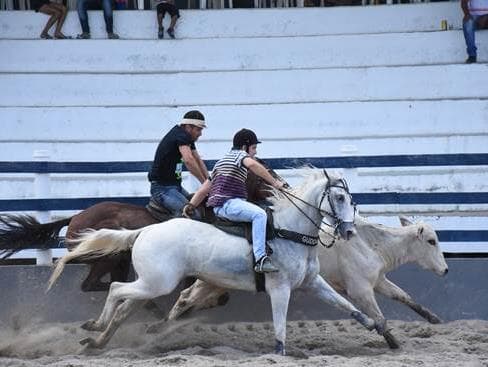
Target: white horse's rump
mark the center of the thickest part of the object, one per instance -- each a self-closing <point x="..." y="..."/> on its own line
<point x="357" y="268"/>
<point x="165" y="253"/>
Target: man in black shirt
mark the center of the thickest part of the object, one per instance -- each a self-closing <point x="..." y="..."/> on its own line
<point x="177" y="147"/>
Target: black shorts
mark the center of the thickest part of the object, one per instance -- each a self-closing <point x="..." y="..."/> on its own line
<point x="162" y="8"/>
<point x="37" y="4"/>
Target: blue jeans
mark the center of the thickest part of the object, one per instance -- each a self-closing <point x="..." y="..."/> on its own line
<point x="173" y="198"/>
<point x="107" y="14"/>
<point x="469" y="27"/>
<point x="240" y="210"/>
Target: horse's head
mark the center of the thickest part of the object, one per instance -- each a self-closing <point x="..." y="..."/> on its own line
<point x="336" y="206"/>
<point x="426" y="247"/>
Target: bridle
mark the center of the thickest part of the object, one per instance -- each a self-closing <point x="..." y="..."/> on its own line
<point x="342" y="184"/>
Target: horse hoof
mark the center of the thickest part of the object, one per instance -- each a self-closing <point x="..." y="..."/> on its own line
<point x="280" y="348"/>
<point x="435" y="320"/>
<point x="391" y="340"/>
<point x="90" y="325"/>
<point x="88" y="343"/>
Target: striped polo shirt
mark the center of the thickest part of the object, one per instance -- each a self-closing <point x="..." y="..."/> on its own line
<point x="228" y="179"/>
<point x="478" y="7"/>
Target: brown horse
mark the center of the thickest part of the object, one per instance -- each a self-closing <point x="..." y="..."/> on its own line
<point x="25" y="232"/>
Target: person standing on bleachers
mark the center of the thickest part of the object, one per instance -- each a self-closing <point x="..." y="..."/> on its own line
<point x="57" y="13"/>
<point x="167" y="6"/>
<point x="475" y="17"/>
<point x="83" y="5"/>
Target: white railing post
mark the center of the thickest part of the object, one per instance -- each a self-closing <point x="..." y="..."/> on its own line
<point x="42" y="190"/>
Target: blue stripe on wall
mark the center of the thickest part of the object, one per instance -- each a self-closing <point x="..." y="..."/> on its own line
<point x="361" y="198"/>
<point x="275" y="163"/>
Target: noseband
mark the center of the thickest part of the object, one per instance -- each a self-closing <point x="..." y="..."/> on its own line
<point x="332" y="214"/>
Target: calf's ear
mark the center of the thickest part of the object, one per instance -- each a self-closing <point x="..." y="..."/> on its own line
<point x="420" y="232"/>
<point x="405" y="221"/>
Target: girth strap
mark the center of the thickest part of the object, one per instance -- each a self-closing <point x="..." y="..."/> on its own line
<point x="304" y="239"/>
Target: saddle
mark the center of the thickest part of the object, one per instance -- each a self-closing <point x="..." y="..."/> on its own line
<point x="241" y="229"/>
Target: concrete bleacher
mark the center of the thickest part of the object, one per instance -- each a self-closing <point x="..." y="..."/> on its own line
<point x="313" y="82"/>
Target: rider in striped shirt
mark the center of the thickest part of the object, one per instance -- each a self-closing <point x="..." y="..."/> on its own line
<point x="227" y="193"/>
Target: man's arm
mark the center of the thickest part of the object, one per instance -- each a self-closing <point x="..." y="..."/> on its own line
<point x="201" y="163"/>
<point x="191" y="163"/>
<point x="262" y="172"/>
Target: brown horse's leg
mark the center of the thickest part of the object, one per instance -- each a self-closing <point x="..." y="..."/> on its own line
<point x="120" y="267"/>
<point x="93" y="282"/>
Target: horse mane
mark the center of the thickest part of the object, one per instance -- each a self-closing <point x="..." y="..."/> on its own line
<point x="310" y="176"/>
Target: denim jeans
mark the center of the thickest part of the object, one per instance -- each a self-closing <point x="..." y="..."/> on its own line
<point x="107" y="14"/>
<point x="240" y="210"/>
<point x="469" y="27"/>
<point x="173" y="198"/>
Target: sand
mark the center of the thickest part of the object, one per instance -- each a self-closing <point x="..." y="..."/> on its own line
<point x="193" y="342"/>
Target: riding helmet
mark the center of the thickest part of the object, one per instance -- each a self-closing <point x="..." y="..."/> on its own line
<point x="245" y="137"/>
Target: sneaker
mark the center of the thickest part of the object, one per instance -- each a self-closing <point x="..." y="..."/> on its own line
<point x="113" y="36"/>
<point x="161" y="33"/>
<point x="171" y="32"/>
<point x="471" y="60"/>
<point x="264" y="265"/>
<point x="83" y="36"/>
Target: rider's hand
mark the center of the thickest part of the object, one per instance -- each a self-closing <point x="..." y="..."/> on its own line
<point x="188" y="210"/>
<point x="278" y="185"/>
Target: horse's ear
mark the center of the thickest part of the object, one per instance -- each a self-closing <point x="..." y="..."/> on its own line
<point x="405" y="221"/>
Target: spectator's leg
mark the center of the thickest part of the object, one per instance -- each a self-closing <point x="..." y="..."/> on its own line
<point x="64" y="11"/>
<point x="83" y="16"/>
<point x="160" y="14"/>
<point x="469" y="28"/>
<point x="108" y="16"/>
<point x="175" y="14"/>
<point x="54" y="16"/>
<point x="174" y="18"/>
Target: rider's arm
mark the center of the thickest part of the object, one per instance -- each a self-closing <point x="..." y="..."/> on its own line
<point x="201" y="163"/>
<point x="201" y="193"/>
<point x="262" y="172"/>
<point x="191" y="163"/>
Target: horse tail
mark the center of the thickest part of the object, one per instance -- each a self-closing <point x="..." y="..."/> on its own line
<point x="94" y="244"/>
<point x="20" y="232"/>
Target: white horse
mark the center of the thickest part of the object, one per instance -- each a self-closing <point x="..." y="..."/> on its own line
<point x="356" y="268"/>
<point x="165" y="253"/>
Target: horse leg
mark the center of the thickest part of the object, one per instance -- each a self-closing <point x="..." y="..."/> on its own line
<point x="320" y="288"/>
<point x="122" y="312"/>
<point x="391" y="290"/>
<point x="280" y="297"/>
<point x="92" y="282"/>
<point x="199" y="296"/>
<point x="362" y="294"/>
<point x="111" y="302"/>
<point x="142" y="289"/>
<point x="120" y="267"/>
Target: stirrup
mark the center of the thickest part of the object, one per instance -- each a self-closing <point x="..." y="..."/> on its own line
<point x="264" y="265"/>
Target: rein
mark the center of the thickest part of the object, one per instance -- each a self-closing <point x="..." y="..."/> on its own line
<point x="311" y="240"/>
